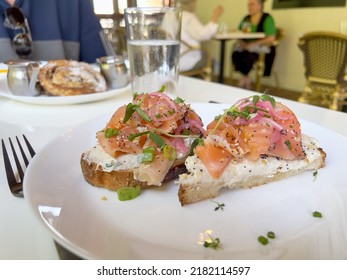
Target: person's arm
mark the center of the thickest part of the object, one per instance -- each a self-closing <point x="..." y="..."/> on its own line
<point x="217" y="12"/>
<point x="201" y="32"/>
<point x="91" y="45"/>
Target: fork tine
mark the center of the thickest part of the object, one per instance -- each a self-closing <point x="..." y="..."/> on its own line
<point x="11" y="179"/>
<point x="19" y="167"/>
<point x="31" y="150"/>
<point x="22" y="152"/>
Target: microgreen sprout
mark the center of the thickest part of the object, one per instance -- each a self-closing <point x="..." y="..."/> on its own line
<point x="315" y="174"/>
<point x="220" y="206"/>
<point x="246" y="112"/>
<point x="213" y="243"/>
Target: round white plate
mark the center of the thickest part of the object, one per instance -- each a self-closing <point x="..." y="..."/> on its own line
<point x="60" y="100"/>
<point x="155" y="226"/>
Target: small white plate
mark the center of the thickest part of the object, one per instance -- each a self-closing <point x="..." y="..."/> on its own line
<point x="60" y="100"/>
<point x="155" y="226"/>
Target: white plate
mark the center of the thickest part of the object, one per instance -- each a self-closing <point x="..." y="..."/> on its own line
<point x="155" y="226"/>
<point x="59" y="100"/>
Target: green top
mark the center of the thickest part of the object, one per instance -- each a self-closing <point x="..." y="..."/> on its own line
<point x="268" y="26"/>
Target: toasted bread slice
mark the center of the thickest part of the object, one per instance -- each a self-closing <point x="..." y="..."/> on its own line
<point x="197" y="184"/>
<point x="95" y="175"/>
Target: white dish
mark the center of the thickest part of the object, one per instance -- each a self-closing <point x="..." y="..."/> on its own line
<point x="59" y="100"/>
<point x="155" y="226"/>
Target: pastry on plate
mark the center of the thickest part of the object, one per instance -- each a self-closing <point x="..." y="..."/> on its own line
<point x="69" y="77"/>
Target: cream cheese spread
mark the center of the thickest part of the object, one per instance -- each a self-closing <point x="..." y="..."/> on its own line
<point x="107" y="163"/>
<point x="125" y="162"/>
<point x="238" y="171"/>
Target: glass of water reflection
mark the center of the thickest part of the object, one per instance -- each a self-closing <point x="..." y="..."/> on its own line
<point x="153" y="43"/>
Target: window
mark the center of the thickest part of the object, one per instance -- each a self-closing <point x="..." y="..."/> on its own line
<point x="149" y="3"/>
<point x="103" y="7"/>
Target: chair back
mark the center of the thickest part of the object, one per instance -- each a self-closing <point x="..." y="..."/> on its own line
<point x="325" y="56"/>
<point x="203" y="71"/>
<point x="280" y="34"/>
<point x="325" y="60"/>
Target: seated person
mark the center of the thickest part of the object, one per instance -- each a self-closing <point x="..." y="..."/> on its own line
<point x="193" y="32"/>
<point x="245" y="53"/>
<point x="60" y="29"/>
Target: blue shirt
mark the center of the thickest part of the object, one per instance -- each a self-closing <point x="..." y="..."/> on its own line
<point x="60" y="29"/>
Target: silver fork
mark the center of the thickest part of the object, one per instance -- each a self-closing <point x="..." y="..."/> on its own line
<point x="15" y="178"/>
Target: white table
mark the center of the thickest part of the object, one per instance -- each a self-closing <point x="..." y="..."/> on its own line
<point x="22" y="236"/>
<point x="223" y="37"/>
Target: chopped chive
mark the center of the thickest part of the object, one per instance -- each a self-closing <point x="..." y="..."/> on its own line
<point x="109" y="132"/>
<point x="128" y="193"/>
<point x="148" y="154"/>
<point x="271" y="235"/>
<point x="142" y="114"/>
<point x="171" y="112"/>
<point x="263" y="240"/>
<point x="289" y="145"/>
<point x="129" y="111"/>
<point x="317" y="214"/>
<point x="169" y="152"/>
<point x="162" y="89"/>
<point x="132" y="136"/>
<point x="178" y="100"/>
<point x="131" y="108"/>
<point x="157" y="140"/>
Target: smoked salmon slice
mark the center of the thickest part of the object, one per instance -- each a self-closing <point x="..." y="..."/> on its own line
<point x="252" y="128"/>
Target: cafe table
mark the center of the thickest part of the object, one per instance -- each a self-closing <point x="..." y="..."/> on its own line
<point x="22" y="235"/>
<point x="224" y="37"/>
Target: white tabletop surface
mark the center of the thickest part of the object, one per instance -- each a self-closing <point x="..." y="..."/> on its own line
<point x="22" y="236"/>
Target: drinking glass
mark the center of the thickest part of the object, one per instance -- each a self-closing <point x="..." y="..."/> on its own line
<point x="153" y="43"/>
<point x="246" y="27"/>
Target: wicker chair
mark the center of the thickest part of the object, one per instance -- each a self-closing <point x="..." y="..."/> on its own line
<point x="260" y="64"/>
<point x="325" y="59"/>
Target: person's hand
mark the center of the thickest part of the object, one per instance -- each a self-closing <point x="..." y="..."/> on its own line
<point x="242" y="44"/>
<point x="250" y="45"/>
<point x="217" y="12"/>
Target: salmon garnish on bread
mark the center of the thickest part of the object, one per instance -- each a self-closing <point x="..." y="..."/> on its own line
<point x="255" y="141"/>
<point x="145" y="143"/>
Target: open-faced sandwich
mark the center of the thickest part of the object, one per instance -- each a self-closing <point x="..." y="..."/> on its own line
<point x="145" y="143"/>
<point x="257" y="140"/>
